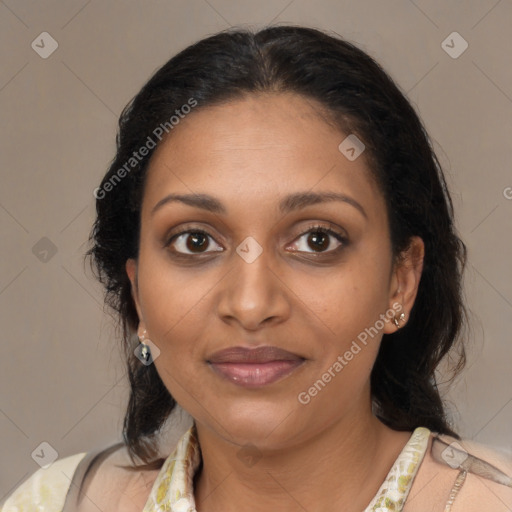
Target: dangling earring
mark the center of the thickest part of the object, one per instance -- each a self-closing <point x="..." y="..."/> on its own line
<point x="145" y="351"/>
<point x="401" y="318"/>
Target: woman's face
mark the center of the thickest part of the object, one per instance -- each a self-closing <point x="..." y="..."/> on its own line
<point x="254" y="173"/>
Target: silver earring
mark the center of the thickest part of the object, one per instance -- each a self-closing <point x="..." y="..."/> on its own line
<point x="145" y="351"/>
<point x="401" y="318"/>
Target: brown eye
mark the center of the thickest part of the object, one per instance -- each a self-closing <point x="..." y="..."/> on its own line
<point x="192" y="242"/>
<point x="319" y="240"/>
<point x="196" y="241"/>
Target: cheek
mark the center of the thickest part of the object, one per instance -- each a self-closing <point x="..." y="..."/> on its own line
<point x="176" y="313"/>
<point x="348" y="299"/>
<point x="164" y="287"/>
<point x="175" y="305"/>
<point x="350" y="302"/>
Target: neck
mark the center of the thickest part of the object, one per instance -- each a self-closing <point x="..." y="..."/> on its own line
<point x="340" y="469"/>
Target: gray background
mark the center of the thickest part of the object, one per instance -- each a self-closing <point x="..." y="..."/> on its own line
<point x="61" y="376"/>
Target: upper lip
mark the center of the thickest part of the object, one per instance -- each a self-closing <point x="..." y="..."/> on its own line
<point x="263" y="354"/>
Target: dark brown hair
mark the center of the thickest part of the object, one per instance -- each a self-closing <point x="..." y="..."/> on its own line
<point x="362" y="99"/>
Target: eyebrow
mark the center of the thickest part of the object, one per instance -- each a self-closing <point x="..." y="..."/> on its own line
<point x="288" y="204"/>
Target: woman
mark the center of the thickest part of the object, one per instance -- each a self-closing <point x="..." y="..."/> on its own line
<point x="276" y="229"/>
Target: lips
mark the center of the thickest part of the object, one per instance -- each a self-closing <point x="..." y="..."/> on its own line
<point x="253" y="355"/>
<point x="256" y="367"/>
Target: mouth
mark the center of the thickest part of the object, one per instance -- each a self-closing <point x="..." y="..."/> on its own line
<point x="253" y="368"/>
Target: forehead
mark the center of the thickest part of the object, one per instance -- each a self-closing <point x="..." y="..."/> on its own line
<point x="260" y="146"/>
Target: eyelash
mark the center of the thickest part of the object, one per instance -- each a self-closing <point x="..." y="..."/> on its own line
<point x="314" y="228"/>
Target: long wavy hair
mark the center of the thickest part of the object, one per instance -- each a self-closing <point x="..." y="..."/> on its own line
<point x="360" y="98"/>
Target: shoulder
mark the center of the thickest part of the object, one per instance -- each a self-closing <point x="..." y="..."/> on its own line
<point x="107" y="485"/>
<point x="46" y="489"/>
<point x="97" y="480"/>
<point x="112" y="486"/>
<point x="474" y="476"/>
<point x="488" y="483"/>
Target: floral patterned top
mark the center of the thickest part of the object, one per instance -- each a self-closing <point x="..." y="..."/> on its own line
<point x="173" y="490"/>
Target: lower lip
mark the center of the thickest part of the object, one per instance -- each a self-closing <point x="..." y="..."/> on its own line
<point x="254" y="375"/>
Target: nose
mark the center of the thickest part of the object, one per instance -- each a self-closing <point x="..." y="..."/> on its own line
<point x="252" y="294"/>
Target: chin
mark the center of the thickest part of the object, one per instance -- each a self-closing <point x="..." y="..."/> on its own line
<point x="266" y="426"/>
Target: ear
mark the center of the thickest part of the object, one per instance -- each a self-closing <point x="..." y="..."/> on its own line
<point x="131" y="270"/>
<point x="405" y="281"/>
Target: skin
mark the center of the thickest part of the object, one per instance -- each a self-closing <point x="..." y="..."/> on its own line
<point x="332" y="453"/>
